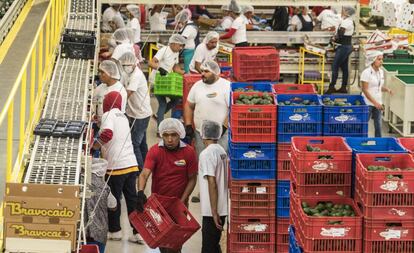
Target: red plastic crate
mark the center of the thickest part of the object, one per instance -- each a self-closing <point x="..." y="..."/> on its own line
<point x="384" y="205"/>
<point x="165" y="222"/>
<point x="252" y="123"/>
<point x="321" y="184"/>
<point x="407" y="143"/>
<point x="390" y="236"/>
<point x="255" y="64"/>
<point x="283" y="161"/>
<point x="285" y="88"/>
<point x="282" y="235"/>
<point x="89" y="248"/>
<point x="252" y="234"/>
<point x="385" y="181"/>
<point x="315" y="162"/>
<point x="189" y="81"/>
<point x="315" y="234"/>
<point x="253" y="198"/>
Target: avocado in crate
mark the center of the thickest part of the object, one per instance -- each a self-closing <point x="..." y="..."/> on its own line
<point x="169" y="85"/>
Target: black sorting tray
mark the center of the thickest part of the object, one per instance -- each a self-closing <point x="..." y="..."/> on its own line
<point x="45" y="127"/>
<point x="62" y="129"/>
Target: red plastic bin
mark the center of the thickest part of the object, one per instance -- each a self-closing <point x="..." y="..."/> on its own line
<point x="252" y="234"/>
<point x="338" y="158"/>
<point x="282" y="239"/>
<point x="398" y="206"/>
<point x="165" y="222"/>
<point x="89" y="248"/>
<point x="283" y="161"/>
<point x="253" y="123"/>
<point x="316" y="234"/>
<point x="253" y="198"/>
<point x="189" y="81"/>
<point x="255" y="64"/>
<point x="321" y="184"/>
<point x="290" y="88"/>
<point x="407" y="143"/>
<point x="390" y="236"/>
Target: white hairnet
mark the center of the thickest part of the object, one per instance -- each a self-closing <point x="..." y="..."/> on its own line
<point x="134" y="10"/>
<point x="234" y="7"/>
<point x="225" y="7"/>
<point x="110" y="68"/>
<point x="128" y="58"/>
<point x="123" y="35"/>
<point x="177" y="38"/>
<point x="182" y="16"/>
<point x="211" y="130"/>
<point x="349" y="10"/>
<point x="211" y="35"/>
<point x="99" y="166"/>
<point x="172" y="125"/>
<point x="247" y="8"/>
<point x="211" y="66"/>
<point x="118" y="21"/>
<point x="371" y="56"/>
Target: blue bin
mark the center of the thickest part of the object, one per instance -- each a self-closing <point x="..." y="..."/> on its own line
<point x="293" y="243"/>
<point x="298" y="120"/>
<point x="346" y="121"/>
<point x="283" y="198"/>
<point x="259" y="86"/>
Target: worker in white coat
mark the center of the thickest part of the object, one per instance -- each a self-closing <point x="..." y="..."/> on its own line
<point x="329" y="19"/>
<point x="110" y="18"/>
<point x="190" y="31"/>
<point x="134" y="15"/>
<point x="206" y="51"/>
<point x="227" y="19"/>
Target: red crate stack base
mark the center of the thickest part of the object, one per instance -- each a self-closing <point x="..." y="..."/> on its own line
<point x="282" y="236"/>
<point x="253" y="198"/>
<point x="283" y="161"/>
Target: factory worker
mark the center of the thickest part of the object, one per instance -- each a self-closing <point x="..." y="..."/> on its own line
<point x="280" y="19"/>
<point x="108" y="18"/>
<point x="115" y="142"/>
<point x="138" y="108"/>
<point x="329" y="19"/>
<point x="190" y="31"/>
<point x="213" y="183"/>
<point x="109" y="76"/>
<point x="343" y="37"/>
<point x="206" y="51"/>
<point x="372" y="84"/>
<point x="96" y="207"/>
<point x="227" y="19"/>
<point x="237" y="31"/>
<point x="166" y="61"/>
<point x="302" y="21"/>
<point x="134" y="15"/>
<point x="172" y="165"/>
<point x="158" y="17"/>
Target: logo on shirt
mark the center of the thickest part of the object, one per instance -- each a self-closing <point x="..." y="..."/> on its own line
<point x="180" y="163"/>
<point x="212" y="95"/>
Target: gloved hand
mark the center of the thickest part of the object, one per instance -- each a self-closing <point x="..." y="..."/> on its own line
<point x="224" y="129"/>
<point x="256" y="28"/>
<point x="163" y="72"/>
<point x="189" y="132"/>
<point x="141" y="200"/>
<point x="263" y="21"/>
<point x="96" y="153"/>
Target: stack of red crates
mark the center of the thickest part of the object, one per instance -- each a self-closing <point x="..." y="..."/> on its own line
<point x="385" y="192"/>
<point x="320" y="173"/>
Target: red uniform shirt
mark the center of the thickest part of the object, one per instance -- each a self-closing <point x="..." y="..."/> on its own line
<point x="171" y="169"/>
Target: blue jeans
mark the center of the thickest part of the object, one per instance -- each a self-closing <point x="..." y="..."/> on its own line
<point x="188" y="56"/>
<point x="139" y="139"/>
<point x="164" y="107"/>
<point x="375" y="114"/>
<point x="341" y="61"/>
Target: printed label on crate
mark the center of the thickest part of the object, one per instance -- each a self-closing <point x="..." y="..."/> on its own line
<point x="393" y="234"/>
<point x="334" y="232"/>
<point x="321" y="166"/>
<point x="344" y="118"/>
<point x="393" y="186"/>
<point x="155" y="216"/>
<point x="254" y="154"/>
<point x="21" y="230"/>
<point x="261" y="190"/>
<point x="245" y="189"/>
<point x="254" y="227"/>
<point x="300" y="117"/>
<point x="397" y="212"/>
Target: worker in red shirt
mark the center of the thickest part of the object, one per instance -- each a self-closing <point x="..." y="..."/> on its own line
<point x="173" y="166"/>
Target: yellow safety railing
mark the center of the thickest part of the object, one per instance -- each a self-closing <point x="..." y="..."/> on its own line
<point x="34" y="74"/>
<point x="319" y="82"/>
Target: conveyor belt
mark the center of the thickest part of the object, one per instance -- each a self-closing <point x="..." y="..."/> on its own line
<point x="81" y="21"/>
<point x="82" y="6"/>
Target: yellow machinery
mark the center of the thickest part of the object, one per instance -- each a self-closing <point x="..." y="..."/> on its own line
<point x="315" y="77"/>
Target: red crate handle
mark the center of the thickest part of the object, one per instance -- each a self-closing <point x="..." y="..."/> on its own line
<point x="393" y="224"/>
<point x="254" y="184"/>
<point x="254" y="220"/>
<point x="334" y="222"/>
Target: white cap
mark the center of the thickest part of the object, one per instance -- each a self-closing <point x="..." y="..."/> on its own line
<point x="172" y="125"/>
<point x="177" y="38"/>
<point x="110" y="68"/>
<point x="211" y="66"/>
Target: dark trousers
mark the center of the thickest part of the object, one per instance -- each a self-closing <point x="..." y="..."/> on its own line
<point x="341" y="62"/>
<point x="122" y="184"/>
<point x="375" y="114"/>
<point x="211" y="235"/>
<point x="139" y="139"/>
<point x="242" y="44"/>
<point x="164" y="107"/>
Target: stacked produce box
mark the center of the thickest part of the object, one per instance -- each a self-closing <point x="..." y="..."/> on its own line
<point x="324" y="216"/>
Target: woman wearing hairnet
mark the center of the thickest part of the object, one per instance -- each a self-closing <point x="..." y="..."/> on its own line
<point x="206" y="51"/>
<point x="302" y="21"/>
<point x="343" y="37"/>
<point x="189" y="30"/>
<point x="134" y="15"/>
<point x="111" y="16"/>
<point x="227" y="19"/>
<point x="372" y="83"/>
<point x="172" y="165"/>
<point x="213" y="183"/>
<point x="158" y="17"/>
<point x="166" y="61"/>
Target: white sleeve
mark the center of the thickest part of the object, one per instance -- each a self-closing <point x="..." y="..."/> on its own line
<point x="320" y="17"/>
<point x="191" y="94"/>
<point x="207" y="164"/>
<point x="198" y="54"/>
<point x="135" y="24"/>
<point x="365" y="75"/>
<point x="107" y="121"/>
<point x="295" y="20"/>
<point x="236" y="24"/>
<point x="133" y="84"/>
<point x="188" y="32"/>
<point x="160" y="54"/>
